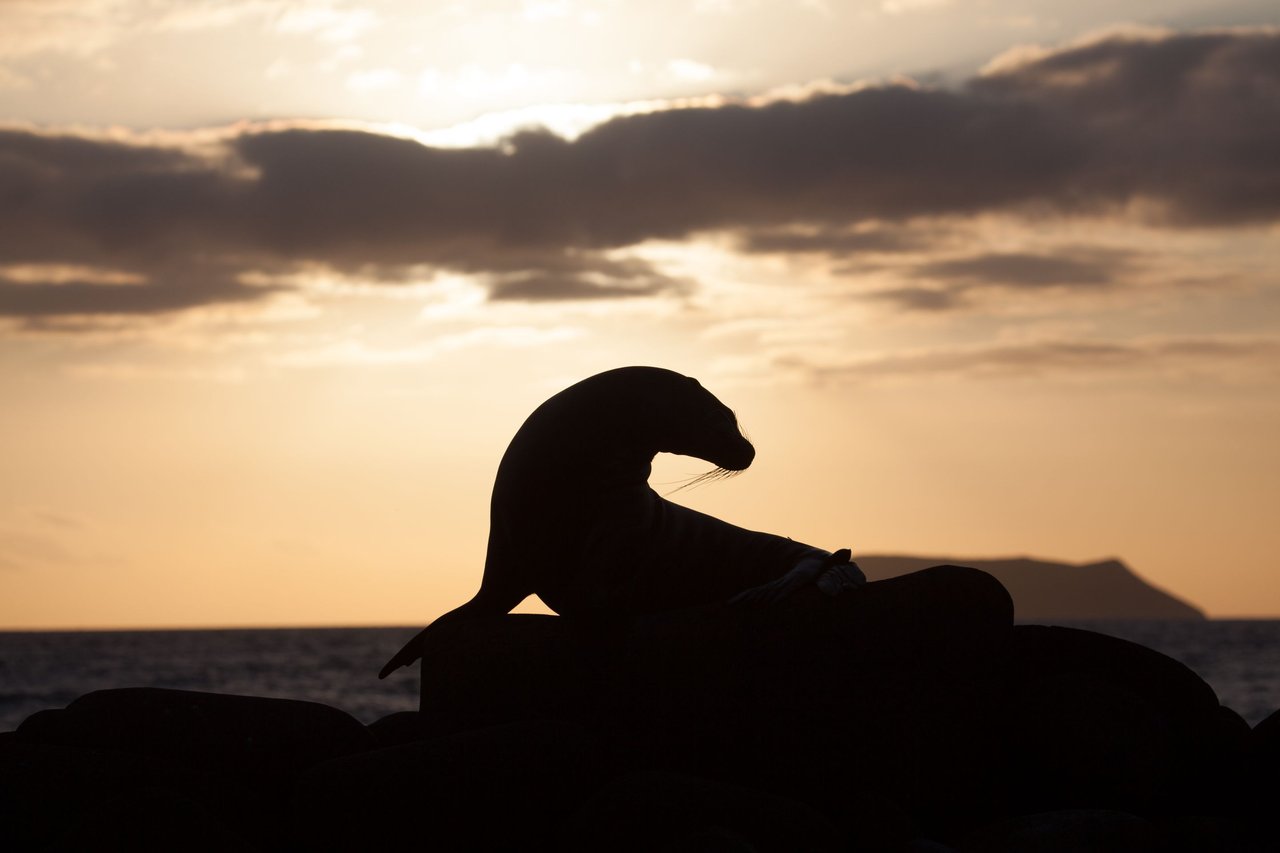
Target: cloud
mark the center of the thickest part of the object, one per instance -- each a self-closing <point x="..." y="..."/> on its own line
<point x="1217" y="357"/>
<point x="1084" y="267"/>
<point x="1187" y="123"/>
<point x="89" y="27"/>
<point x="834" y="242"/>
<point x="352" y="352"/>
<point x="951" y="280"/>
<point x="172" y="291"/>
<point x="1172" y="129"/>
<point x="586" y="277"/>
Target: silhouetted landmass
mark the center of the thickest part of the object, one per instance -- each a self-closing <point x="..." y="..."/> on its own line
<point x="1045" y="591"/>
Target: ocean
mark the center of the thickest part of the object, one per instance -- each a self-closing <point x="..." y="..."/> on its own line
<point x="338" y="666"/>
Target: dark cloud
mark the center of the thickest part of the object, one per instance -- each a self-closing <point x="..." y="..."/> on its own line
<point x="1181" y="129"/>
<point x="953" y="279"/>
<point x="1017" y="269"/>
<point x="921" y="298"/>
<point x="170" y="291"/>
<point x="586" y="277"/>
<point x="833" y="242"/>
<point x="1190" y="123"/>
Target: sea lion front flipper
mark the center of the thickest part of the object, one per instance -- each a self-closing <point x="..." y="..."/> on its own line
<point x="803" y="573"/>
<point x="840" y="574"/>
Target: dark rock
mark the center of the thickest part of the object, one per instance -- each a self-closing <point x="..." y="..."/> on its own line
<point x="232" y="755"/>
<point x="1067" y="831"/>
<point x="484" y="672"/>
<point x="45" y="788"/>
<point x="501" y="788"/>
<point x="1095" y="722"/>
<point x="667" y="811"/>
<point x="1262" y="774"/>
<point x="149" y="819"/>
<point x="238" y="735"/>
<point x="888" y="688"/>
<point x="1223" y="779"/>
<point x="395" y="729"/>
<point x="1205" y="834"/>
<point x="1266" y="740"/>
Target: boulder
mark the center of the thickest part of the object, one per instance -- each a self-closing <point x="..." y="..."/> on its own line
<point x="1095" y="722"/>
<point x="670" y="811"/>
<point x="395" y="729"/>
<point x="480" y="673"/>
<point x="46" y="788"/>
<point x="889" y="688"/>
<point x="237" y="735"/>
<point x="1067" y="831"/>
<point x="500" y="788"/>
<point x="150" y="820"/>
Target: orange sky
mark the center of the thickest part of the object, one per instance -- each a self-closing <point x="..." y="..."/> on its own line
<point x="1005" y="285"/>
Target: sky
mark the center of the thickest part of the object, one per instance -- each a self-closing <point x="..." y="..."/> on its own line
<point x="279" y="280"/>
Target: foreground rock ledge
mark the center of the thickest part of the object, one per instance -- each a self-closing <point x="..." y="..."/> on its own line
<point x="907" y="715"/>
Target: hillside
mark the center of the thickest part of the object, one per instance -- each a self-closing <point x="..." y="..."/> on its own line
<point x="1046" y="591"/>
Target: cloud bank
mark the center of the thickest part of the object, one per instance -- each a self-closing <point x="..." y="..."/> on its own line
<point x="1170" y="129"/>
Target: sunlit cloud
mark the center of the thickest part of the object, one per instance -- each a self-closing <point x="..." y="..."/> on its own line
<point x="357" y="353"/>
<point x="10" y="79"/>
<point x="373" y="79"/>
<point x="903" y="7"/>
<point x="148" y="371"/>
<point x="688" y="69"/>
<point x="88" y="27"/>
<point x="330" y="20"/>
<point x="542" y="10"/>
<point x="1204" y="357"/>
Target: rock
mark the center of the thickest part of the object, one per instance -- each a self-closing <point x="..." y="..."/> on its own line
<point x="1095" y="722"/>
<point x="889" y="688"/>
<point x="149" y="819"/>
<point x="1262" y="790"/>
<point x="1067" y="831"/>
<point x="395" y="729"/>
<point x="485" y="672"/>
<point x="1200" y="833"/>
<point x="45" y="788"/>
<point x="670" y="811"/>
<point x="1266" y="740"/>
<point x="500" y="788"/>
<point x="237" y="735"/>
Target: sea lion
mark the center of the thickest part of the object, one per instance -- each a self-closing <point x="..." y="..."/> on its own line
<point x="574" y="521"/>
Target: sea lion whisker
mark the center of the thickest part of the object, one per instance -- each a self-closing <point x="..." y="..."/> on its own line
<point x="714" y="475"/>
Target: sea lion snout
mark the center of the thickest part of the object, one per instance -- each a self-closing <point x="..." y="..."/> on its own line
<point x="738" y="456"/>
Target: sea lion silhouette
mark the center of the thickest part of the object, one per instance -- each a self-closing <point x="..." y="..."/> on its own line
<point x="574" y="521"/>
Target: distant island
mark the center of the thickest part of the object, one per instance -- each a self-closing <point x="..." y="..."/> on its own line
<point x="1045" y="591"/>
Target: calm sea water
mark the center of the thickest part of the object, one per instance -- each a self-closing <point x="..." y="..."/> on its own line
<point x="338" y="666"/>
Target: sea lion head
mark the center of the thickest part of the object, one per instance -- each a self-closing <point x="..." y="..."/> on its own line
<point x="693" y="422"/>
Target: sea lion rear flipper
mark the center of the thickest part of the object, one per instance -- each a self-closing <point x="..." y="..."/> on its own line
<point x="409" y="653"/>
<point x="487" y="601"/>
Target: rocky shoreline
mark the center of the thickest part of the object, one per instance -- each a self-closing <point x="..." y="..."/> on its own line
<point x="910" y="715"/>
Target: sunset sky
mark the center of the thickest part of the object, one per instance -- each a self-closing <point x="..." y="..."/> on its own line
<point x="279" y="279"/>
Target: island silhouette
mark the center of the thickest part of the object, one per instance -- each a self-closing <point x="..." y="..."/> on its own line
<point x="1050" y="591"/>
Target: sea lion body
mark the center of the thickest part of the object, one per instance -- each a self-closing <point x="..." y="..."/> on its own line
<point x="574" y="521"/>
